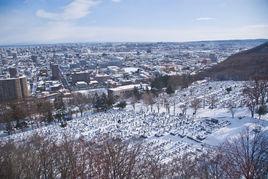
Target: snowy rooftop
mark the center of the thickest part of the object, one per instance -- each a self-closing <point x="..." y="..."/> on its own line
<point x="125" y="87"/>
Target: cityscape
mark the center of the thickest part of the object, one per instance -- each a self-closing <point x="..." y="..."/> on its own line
<point x="122" y="89"/>
<point x="98" y="68"/>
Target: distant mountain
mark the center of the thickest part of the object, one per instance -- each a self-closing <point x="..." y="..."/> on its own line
<point x="241" y="66"/>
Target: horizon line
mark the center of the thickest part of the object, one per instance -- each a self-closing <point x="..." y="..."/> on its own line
<point x="102" y="42"/>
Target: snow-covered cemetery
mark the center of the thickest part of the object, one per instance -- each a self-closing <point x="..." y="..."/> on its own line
<point x="170" y="119"/>
<point x="193" y="120"/>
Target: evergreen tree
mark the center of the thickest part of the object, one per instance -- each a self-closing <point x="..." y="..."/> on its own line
<point x="160" y="82"/>
<point x="261" y="110"/>
<point x="104" y="101"/>
<point x="169" y="90"/>
<point x="122" y="104"/>
<point x="110" y="100"/>
<point x="136" y="93"/>
<point x="101" y="102"/>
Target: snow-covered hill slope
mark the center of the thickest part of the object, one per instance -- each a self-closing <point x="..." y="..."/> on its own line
<point x="170" y="132"/>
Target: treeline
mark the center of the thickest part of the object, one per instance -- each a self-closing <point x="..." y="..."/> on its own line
<point x="13" y="113"/>
<point x="171" y="83"/>
<point x="19" y="114"/>
<point x="41" y="111"/>
<point x="104" y="157"/>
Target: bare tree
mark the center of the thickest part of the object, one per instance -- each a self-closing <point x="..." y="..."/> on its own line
<point x="6" y="117"/>
<point x="195" y="104"/>
<point x="209" y="165"/>
<point x="251" y="105"/>
<point x="107" y="157"/>
<point x="133" y="101"/>
<point x="116" y="158"/>
<point x="246" y="156"/>
<point x="212" y="100"/>
<point x="158" y="104"/>
<point x="152" y="165"/>
<point x="183" y="108"/>
<point x="80" y="101"/>
<point x="148" y="100"/>
<point x="255" y="93"/>
<point x="45" y="109"/>
<point x="179" y="169"/>
<point x="18" y="110"/>
<point x="174" y="106"/>
<point x="232" y="108"/>
<point x="167" y="105"/>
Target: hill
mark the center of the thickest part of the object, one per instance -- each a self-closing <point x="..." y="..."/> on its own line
<point x="241" y="66"/>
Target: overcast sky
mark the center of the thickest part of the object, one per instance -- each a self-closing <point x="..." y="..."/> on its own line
<point x="53" y="21"/>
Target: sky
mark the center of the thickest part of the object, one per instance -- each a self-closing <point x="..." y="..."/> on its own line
<point x="60" y="21"/>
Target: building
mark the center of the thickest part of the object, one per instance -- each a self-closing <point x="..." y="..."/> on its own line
<point x="55" y="71"/>
<point x="122" y="91"/>
<point x="102" y="78"/>
<point x="34" y="59"/>
<point x="126" y="90"/>
<point x="81" y="76"/>
<point x="81" y="85"/>
<point x="13" y="89"/>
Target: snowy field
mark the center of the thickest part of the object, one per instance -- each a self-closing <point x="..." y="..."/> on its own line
<point x="168" y="131"/>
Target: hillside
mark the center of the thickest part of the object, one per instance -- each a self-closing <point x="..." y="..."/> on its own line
<point x="241" y="66"/>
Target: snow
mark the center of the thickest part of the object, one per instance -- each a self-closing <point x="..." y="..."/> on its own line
<point x="130" y="69"/>
<point x="125" y="87"/>
<point x="172" y="133"/>
<point x="99" y="91"/>
<point x="235" y="128"/>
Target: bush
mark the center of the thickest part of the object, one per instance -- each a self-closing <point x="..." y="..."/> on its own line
<point x="169" y="90"/>
<point x="121" y="104"/>
<point x="63" y="124"/>
<point x="228" y="89"/>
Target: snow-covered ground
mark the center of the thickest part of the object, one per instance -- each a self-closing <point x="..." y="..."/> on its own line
<point x="169" y="132"/>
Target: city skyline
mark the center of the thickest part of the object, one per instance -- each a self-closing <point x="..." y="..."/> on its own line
<point x="47" y="21"/>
